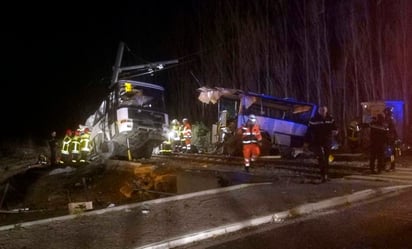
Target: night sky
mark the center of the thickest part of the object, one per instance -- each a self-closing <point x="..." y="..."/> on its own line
<point x="57" y="59"/>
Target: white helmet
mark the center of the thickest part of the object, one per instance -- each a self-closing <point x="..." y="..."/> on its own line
<point x="252" y="118"/>
<point x="175" y="122"/>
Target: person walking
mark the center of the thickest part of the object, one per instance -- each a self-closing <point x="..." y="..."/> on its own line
<point x="378" y="141"/>
<point x="53" y="146"/>
<point x="321" y="130"/>
<point x="251" y="141"/>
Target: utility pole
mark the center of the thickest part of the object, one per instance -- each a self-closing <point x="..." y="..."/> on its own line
<point x="117" y="69"/>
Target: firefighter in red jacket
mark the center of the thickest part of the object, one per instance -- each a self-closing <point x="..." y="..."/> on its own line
<point x="187" y="134"/>
<point x="251" y="140"/>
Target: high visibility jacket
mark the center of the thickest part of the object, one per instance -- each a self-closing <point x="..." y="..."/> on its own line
<point x="251" y="134"/>
<point x="75" y="144"/>
<point x="66" y="145"/>
<point x="187" y="131"/>
<point x="85" y="142"/>
<point x="176" y="133"/>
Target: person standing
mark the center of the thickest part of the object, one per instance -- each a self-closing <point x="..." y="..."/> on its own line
<point x="53" y="146"/>
<point x="391" y="134"/>
<point x="378" y="140"/>
<point x="187" y="134"/>
<point x="174" y="136"/>
<point x="85" y="145"/>
<point x="251" y="141"/>
<point x="65" y="152"/>
<point x="75" y="146"/>
<point x="321" y="130"/>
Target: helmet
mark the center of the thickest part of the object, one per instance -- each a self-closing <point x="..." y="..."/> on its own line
<point x="388" y="111"/>
<point x="175" y="122"/>
<point x="252" y="118"/>
<point x="184" y="120"/>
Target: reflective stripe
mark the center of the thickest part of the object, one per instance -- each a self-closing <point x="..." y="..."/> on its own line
<point x="250" y="133"/>
<point x="249" y="141"/>
<point x="321" y="122"/>
<point x="66" y="144"/>
<point x="75" y="146"/>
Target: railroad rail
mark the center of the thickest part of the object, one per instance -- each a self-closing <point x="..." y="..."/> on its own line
<point x="343" y="165"/>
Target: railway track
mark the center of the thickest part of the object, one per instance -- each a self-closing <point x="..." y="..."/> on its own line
<point x="306" y="167"/>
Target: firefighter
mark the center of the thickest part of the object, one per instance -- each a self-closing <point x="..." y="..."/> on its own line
<point x="175" y="135"/>
<point x="168" y="146"/>
<point x="378" y="141"/>
<point x="65" y="150"/>
<point x="251" y="141"/>
<point x="354" y="130"/>
<point x="75" y="147"/>
<point x="85" y="145"/>
<point x="392" y="136"/>
<point x="321" y="130"/>
<point x="186" y="135"/>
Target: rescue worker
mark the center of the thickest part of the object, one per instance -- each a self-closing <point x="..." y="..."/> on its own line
<point x="173" y="139"/>
<point x="75" y="147"/>
<point x="65" y="150"/>
<point x="53" y="145"/>
<point x="175" y="135"/>
<point x="251" y="141"/>
<point x="85" y="145"/>
<point x="186" y="134"/>
<point x="354" y="130"/>
<point x="321" y="130"/>
<point x="392" y="136"/>
<point x="378" y="141"/>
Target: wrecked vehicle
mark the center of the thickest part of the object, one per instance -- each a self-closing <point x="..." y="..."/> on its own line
<point x="131" y="120"/>
<point x="283" y="122"/>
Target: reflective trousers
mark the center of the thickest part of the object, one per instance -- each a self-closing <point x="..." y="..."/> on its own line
<point x="250" y="153"/>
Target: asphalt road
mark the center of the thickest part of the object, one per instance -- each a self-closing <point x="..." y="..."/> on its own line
<point x="384" y="223"/>
<point x="219" y="213"/>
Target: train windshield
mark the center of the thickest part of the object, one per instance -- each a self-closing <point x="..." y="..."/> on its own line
<point x="140" y="94"/>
